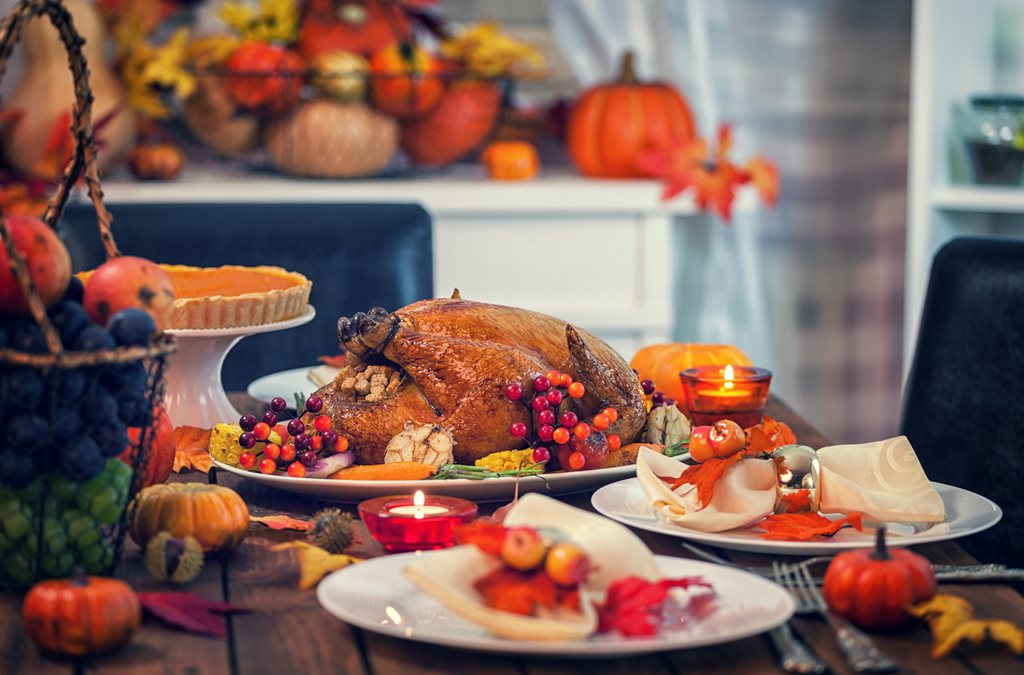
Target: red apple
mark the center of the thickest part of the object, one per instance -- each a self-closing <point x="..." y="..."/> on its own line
<point x="161" y="449"/>
<point x="49" y="264"/>
<point x="127" y="281"/>
<point x="523" y="548"/>
<point x="567" y="564"/>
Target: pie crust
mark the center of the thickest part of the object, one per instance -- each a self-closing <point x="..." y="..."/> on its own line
<point x="233" y="295"/>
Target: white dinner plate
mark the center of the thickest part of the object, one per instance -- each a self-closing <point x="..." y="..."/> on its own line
<point x="283" y="383"/>
<point x="377" y="596"/>
<point x="966" y="513"/>
<point x="489" y="489"/>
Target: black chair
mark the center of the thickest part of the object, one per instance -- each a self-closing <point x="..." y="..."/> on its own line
<point x="358" y="256"/>
<point x="964" y="402"/>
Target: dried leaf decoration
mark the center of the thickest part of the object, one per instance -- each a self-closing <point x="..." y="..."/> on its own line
<point x="487" y="52"/>
<point x="805" y="526"/>
<point x="337" y="361"/>
<point x="190" y="612"/>
<point x="795" y="502"/>
<point x="190" y="449"/>
<point x="274" y="21"/>
<point x="951" y="620"/>
<point x="282" y="522"/>
<point x="768" y="435"/>
<point x="634" y="606"/>
<point x="314" y="562"/>
<point x="704" y="476"/>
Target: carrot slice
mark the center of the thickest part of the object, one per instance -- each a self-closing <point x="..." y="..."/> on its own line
<point x="393" y="471"/>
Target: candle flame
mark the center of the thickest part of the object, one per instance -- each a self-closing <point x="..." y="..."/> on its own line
<point x="418" y="499"/>
<point x="729" y="377"/>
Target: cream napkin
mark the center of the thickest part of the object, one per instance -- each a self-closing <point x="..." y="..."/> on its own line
<point x="745" y="494"/>
<point x="883" y="480"/>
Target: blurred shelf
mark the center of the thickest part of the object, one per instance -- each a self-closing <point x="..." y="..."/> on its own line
<point x="461" y="189"/>
<point x="979" y="198"/>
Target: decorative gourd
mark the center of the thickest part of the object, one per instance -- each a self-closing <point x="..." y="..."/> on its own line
<point x="407" y="81"/>
<point x="45" y="94"/>
<point x="332" y="140"/>
<point x="156" y="161"/>
<point x="48" y="261"/>
<point x="340" y="75"/>
<point x="216" y="516"/>
<point x="458" y="124"/>
<point x="662" y="363"/>
<point x="263" y="77"/>
<point x="612" y="124"/>
<point x="360" y="26"/>
<point x="82" y="615"/>
<point x="217" y="121"/>
<point x="511" y="160"/>
<point x="873" y="588"/>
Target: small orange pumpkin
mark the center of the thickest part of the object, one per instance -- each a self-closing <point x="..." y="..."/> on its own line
<point x="511" y="160"/>
<point x="156" y="161"/>
<point x="407" y="81"/>
<point x="662" y="363"/>
<point x="873" y="588"/>
<point x="216" y="516"/>
<point x="83" y="615"/>
<point x="263" y="77"/>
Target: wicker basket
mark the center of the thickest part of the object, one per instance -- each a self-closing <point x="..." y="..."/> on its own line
<point x="58" y="512"/>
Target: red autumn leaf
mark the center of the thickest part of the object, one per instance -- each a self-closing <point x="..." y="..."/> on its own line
<point x="795" y="502"/>
<point x="282" y="522"/>
<point x="805" y="526"/>
<point x="337" y="361"/>
<point x="190" y="612"/>
<point x="633" y="605"/>
<point x="705" y="476"/>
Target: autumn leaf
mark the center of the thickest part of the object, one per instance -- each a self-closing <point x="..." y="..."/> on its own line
<point x="977" y="631"/>
<point x="485" y="51"/>
<point x="805" y="526"/>
<point x="190" y="449"/>
<point x="333" y="361"/>
<point x="765" y="177"/>
<point x="282" y="522"/>
<point x="274" y="21"/>
<point x="633" y="605"/>
<point x="943" y="613"/>
<point x="704" y="476"/>
<point x="794" y="502"/>
<point x="769" y="434"/>
<point x="314" y="562"/>
<point x="189" y="612"/>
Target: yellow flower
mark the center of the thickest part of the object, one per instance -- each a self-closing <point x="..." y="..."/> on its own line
<point x="274" y="21"/>
<point x="487" y="52"/>
<point x="211" y="50"/>
<point x="149" y="71"/>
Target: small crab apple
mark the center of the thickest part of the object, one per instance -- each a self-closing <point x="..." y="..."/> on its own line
<point x="567" y="564"/>
<point x="523" y="548"/>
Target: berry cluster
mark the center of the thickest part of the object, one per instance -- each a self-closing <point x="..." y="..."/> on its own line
<point x="658" y="398"/>
<point x="300" y="447"/>
<point x="578" y="444"/>
<point x="82" y="414"/>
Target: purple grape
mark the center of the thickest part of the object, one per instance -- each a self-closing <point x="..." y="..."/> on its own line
<point x="669" y="402"/>
<point x="295" y="427"/>
<point x="309" y="459"/>
<point x="247" y="422"/>
<point x="278" y="404"/>
<point x="330" y="439"/>
<point x="270" y="417"/>
<point x="657" y="398"/>
<point x="314" y="404"/>
<point x="647" y="386"/>
<point x="301" y="441"/>
<point x="247" y="439"/>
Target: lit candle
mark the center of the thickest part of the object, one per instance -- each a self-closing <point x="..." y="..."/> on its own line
<point x="713" y="393"/>
<point x="418" y="508"/>
<point x="728" y="389"/>
<point x="423" y="522"/>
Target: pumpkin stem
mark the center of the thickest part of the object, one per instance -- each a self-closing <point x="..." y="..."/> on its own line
<point x="627" y="70"/>
<point x="881" y="550"/>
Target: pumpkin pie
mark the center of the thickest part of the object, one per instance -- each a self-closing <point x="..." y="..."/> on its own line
<point x="233" y="295"/>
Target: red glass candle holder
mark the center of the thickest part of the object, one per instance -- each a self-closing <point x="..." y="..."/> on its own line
<point x="399" y="524"/>
<point x="713" y="393"/>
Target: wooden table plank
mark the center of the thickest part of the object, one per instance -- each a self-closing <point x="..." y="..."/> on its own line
<point x="18" y="656"/>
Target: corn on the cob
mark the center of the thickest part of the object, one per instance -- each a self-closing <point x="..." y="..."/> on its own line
<point x="507" y="460"/>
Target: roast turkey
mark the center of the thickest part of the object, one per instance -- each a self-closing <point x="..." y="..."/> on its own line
<point x="447" y="362"/>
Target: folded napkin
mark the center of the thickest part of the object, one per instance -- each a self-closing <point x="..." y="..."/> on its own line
<point x="746" y="493"/>
<point x="883" y="480"/>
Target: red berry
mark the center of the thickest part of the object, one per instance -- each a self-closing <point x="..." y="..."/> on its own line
<point x="268" y="466"/>
<point x="541" y="383"/>
<point x="647" y="386"/>
<point x="541" y="454"/>
<point x="554" y="397"/>
<point x="341" y="445"/>
<point x="261" y="431"/>
<point x="554" y="377"/>
<point x="561" y="435"/>
<point x="278" y="404"/>
<point x="246" y="440"/>
<point x="322" y="423"/>
<point x="314" y="404"/>
<point x="569" y="419"/>
<point x="272" y="450"/>
<point x="545" y="432"/>
<point x="576" y="461"/>
<point x="539" y="403"/>
<point x="513" y="392"/>
<point x="546" y="417"/>
<point x="316" y="443"/>
<point x="581" y="430"/>
<point x="565" y="380"/>
<point x="577" y="390"/>
<point x="270" y="417"/>
<point x="247" y="460"/>
<point x="296" y="470"/>
<point x="517" y="430"/>
<point x="612" y="414"/>
<point x="288" y="452"/>
<point x="247" y="422"/>
<point x="601" y="421"/>
<point x="614" y="442"/>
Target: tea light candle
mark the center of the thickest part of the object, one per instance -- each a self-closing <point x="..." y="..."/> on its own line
<point x="420" y="522"/>
<point x="713" y="393"/>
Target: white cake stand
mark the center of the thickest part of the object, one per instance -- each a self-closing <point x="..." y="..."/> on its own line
<point x="193" y="391"/>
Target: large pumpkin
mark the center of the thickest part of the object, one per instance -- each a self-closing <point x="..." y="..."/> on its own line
<point x="84" y="615"/>
<point x="361" y="26"/>
<point x="662" y="363"/>
<point x="458" y="124"/>
<point x="216" y="516"/>
<point x="612" y="124"/>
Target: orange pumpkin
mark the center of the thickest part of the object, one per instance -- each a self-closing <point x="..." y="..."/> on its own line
<point x="216" y="516"/>
<point x="407" y="81"/>
<point x="662" y="363"/>
<point x="263" y="77"/>
<point x="612" y="124"/>
<point x="352" y="26"/>
<point x="156" y="161"/>
<point x="458" y="124"/>
<point x="511" y="160"/>
<point x="84" y="615"/>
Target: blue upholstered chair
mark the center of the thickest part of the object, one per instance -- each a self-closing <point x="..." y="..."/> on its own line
<point x="964" y="402"/>
<point x="358" y="256"/>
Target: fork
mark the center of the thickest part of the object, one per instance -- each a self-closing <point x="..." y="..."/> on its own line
<point x="861" y="653"/>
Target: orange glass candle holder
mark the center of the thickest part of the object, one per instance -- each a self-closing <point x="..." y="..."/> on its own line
<point x="737" y="393"/>
<point x="415" y="522"/>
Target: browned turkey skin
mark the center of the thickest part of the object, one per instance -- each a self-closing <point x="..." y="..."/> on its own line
<point x="457" y="356"/>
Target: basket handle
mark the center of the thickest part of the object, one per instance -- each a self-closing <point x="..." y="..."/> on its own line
<point x="83" y="157"/>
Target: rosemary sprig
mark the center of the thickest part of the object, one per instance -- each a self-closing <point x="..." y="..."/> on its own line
<point x="454" y="471"/>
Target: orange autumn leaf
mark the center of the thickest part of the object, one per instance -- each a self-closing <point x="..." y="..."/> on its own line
<point x="190" y="451"/>
<point x="765" y="177"/>
<point x="337" y="361"/>
<point x="282" y="522"/>
<point x="768" y="435"/>
<point x="704" y="476"/>
<point x="795" y="502"/>
<point x="805" y="526"/>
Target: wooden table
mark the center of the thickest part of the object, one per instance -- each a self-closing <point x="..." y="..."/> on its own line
<point x="289" y="634"/>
